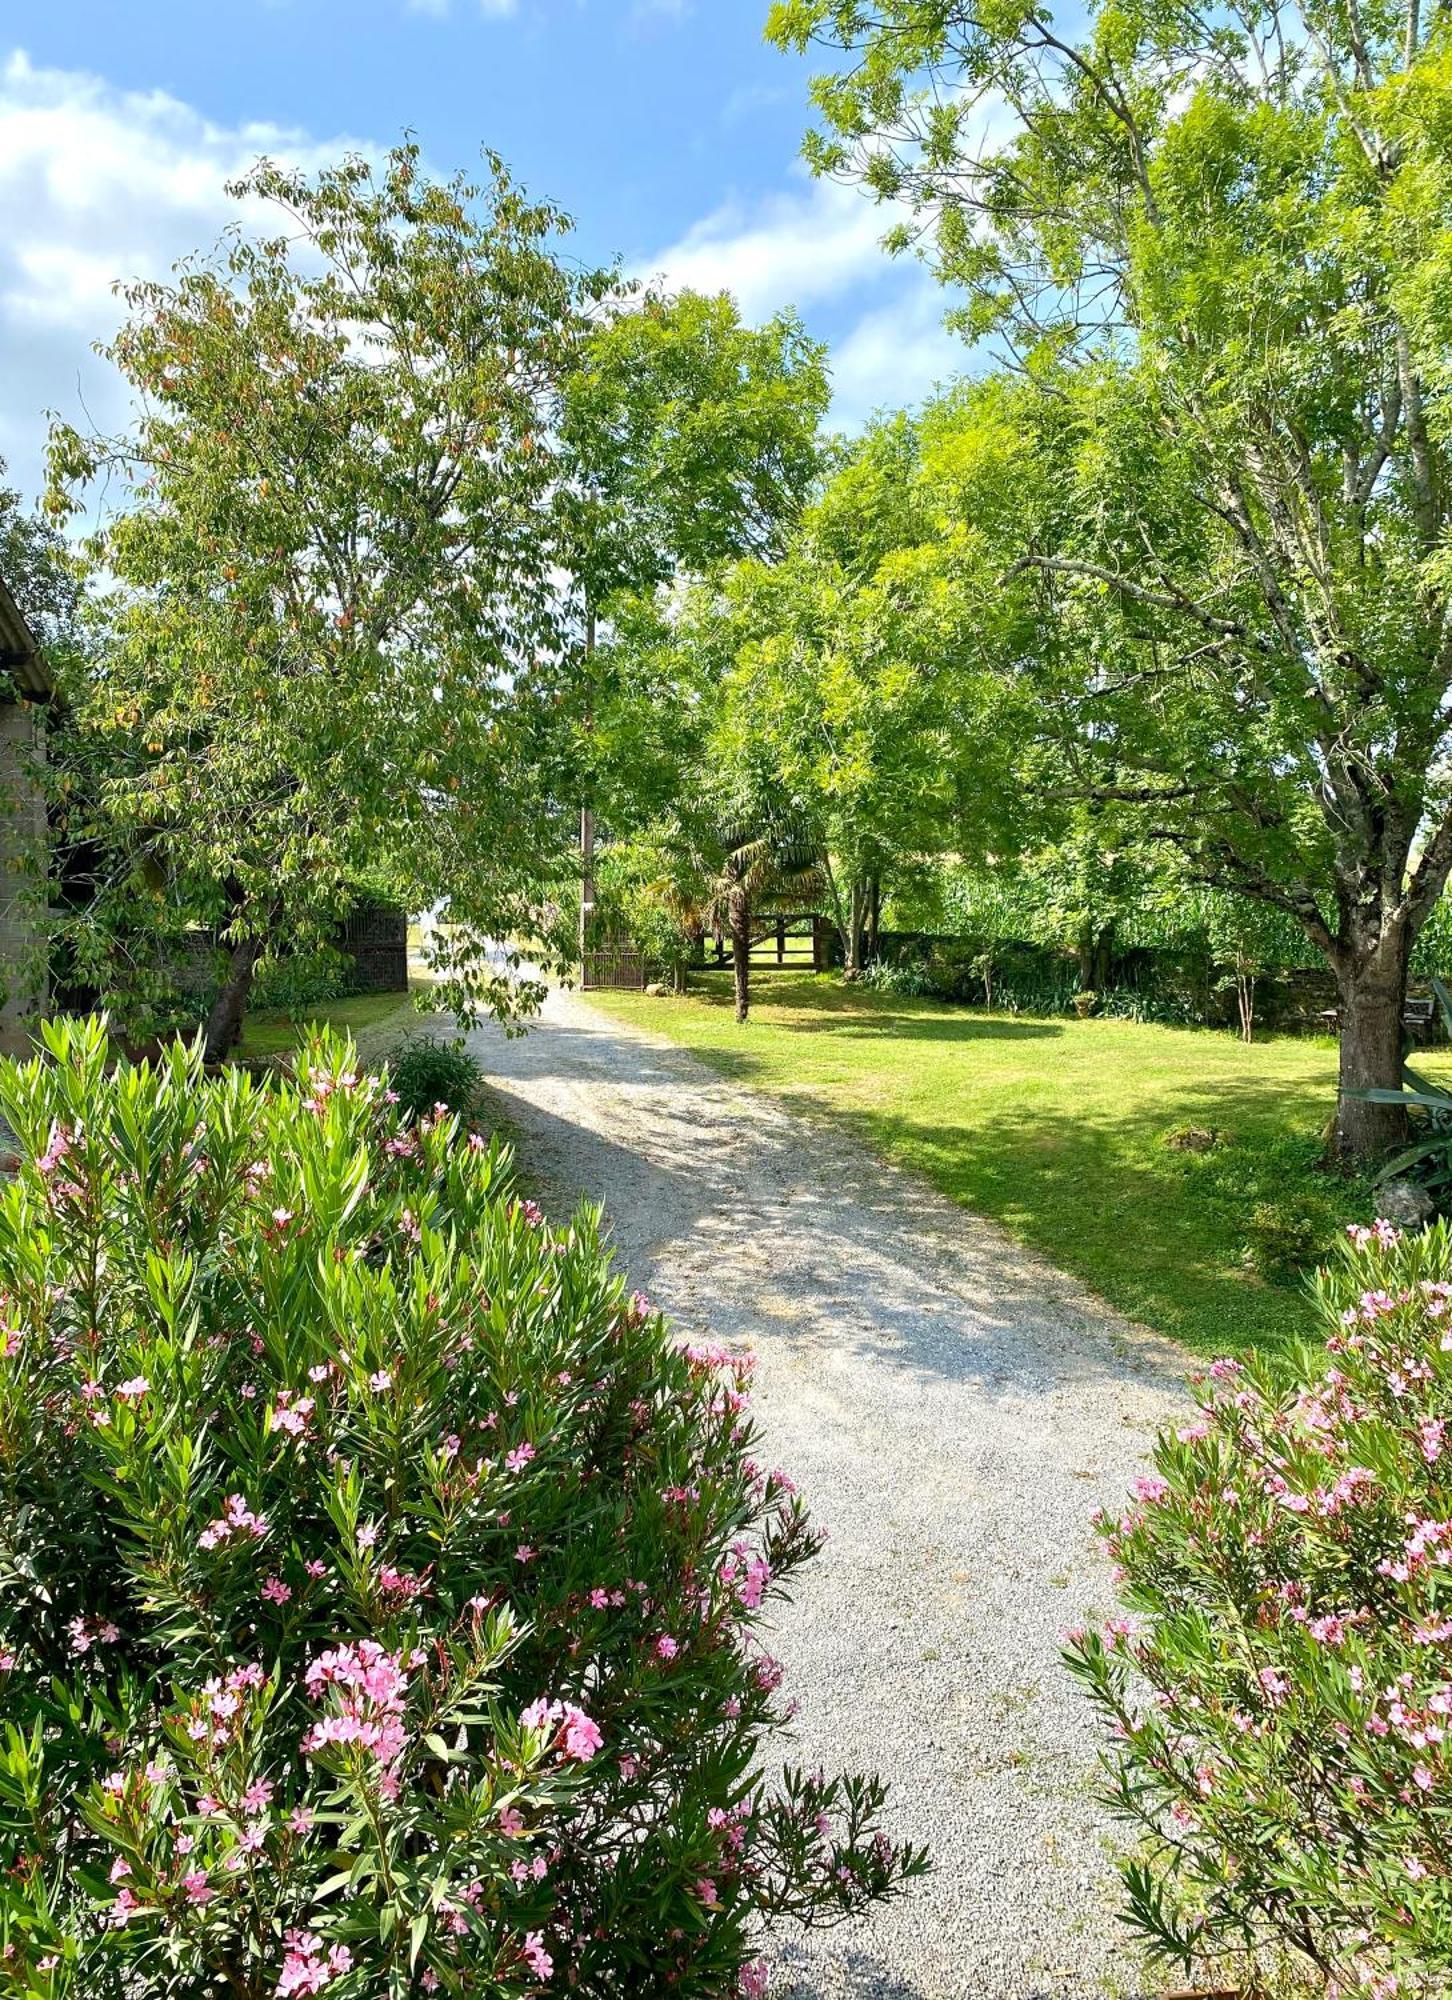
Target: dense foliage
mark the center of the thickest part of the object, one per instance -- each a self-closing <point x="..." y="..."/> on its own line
<point x="337" y="644"/>
<point x="427" y="1073"/>
<point x="1216" y="242"/>
<point x="381" y="1583"/>
<point x="1280" y="1692"/>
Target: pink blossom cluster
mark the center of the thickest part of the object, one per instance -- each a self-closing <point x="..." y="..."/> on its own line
<point x="292" y="1413"/>
<point x="84" y="1633"/>
<point x="236" y="1521"/>
<point x="577" y="1736"/>
<point x="748" y="1574"/>
<point x="308" y="1966"/>
<point x="370" y="1687"/>
<point x="217" y="1715"/>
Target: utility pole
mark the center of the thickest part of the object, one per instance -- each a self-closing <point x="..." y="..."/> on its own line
<point x="587" y="825"/>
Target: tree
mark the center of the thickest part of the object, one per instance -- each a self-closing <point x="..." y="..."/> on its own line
<point x="37" y="572"/>
<point x="694" y="442"/>
<point x="340" y="637"/>
<point x="1215" y="244"/>
<point x="857" y="678"/>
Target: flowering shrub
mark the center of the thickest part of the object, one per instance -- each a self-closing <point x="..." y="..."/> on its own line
<point x="1283" y="1699"/>
<point x="378" y="1583"/>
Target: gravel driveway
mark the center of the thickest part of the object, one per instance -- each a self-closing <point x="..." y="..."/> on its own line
<point x="955" y="1411"/>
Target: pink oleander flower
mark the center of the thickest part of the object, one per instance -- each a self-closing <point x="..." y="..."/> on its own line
<point x="754" y="1980"/>
<point x="236" y="1520"/>
<point x="370" y="1686"/>
<point x="275" y="1591"/>
<point x="306" y="1968"/>
<point x="520" y="1457"/>
<point x="666" y="1646"/>
<point x="198" y="1889"/>
<point x="580" y="1734"/>
<point x="536" y="1957"/>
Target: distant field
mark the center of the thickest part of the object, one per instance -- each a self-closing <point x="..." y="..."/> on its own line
<point x="1056" y="1129"/>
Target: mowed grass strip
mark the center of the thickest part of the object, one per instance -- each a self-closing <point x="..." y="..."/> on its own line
<point x="1056" y="1128"/>
<point x="367" y="1017"/>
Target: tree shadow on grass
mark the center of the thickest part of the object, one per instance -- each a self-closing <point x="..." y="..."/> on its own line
<point x="847" y="1010"/>
<point x="775" y="1224"/>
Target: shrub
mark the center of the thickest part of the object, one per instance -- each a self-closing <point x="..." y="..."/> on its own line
<point x="908" y="978"/>
<point x="1285" y="1237"/>
<point x="427" y="1073"/>
<point x="380" y="1583"/>
<point x="1281" y="1696"/>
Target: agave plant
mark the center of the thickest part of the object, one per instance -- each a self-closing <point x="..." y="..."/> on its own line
<point x="1429" y="1157"/>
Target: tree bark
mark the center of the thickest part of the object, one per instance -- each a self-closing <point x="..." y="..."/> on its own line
<point x="874" y="917"/>
<point x="224" y="1023"/>
<point x="739" y="913"/>
<point x="852" y="942"/>
<point x="1373" y="988"/>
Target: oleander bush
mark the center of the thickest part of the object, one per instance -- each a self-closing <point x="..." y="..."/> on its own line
<point x="1280" y="1694"/>
<point x="379" y="1583"/>
<point x="427" y="1073"/>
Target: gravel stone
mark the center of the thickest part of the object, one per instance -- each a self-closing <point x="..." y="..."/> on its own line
<point x="955" y="1412"/>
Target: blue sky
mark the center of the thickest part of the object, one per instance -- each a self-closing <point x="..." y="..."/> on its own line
<point x="665" y="127"/>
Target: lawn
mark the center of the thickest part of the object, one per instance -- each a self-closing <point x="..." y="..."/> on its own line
<point x="374" y="1020"/>
<point x="1057" y="1128"/>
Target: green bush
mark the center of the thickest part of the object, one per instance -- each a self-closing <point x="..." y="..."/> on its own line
<point x="1287" y="1236"/>
<point x="381" y="1587"/>
<point x="907" y="977"/>
<point x="426" y="1073"/>
<point x="1280" y="1696"/>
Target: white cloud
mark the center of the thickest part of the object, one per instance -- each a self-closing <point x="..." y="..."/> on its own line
<point x="819" y="249"/>
<point x="813" y="244"/>
<point x="895" y="356"/>
<point x="98" y="185"/>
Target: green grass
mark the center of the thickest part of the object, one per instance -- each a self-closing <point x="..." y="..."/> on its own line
<point x="1056" y="1129"/>
<point x="369" y="1018"/>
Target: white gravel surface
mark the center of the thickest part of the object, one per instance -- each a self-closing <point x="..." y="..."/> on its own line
<point x="955" y="1412"/>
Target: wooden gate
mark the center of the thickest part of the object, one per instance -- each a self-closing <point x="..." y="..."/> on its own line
<point x="797" y="942"/>
<point x="614" y="964"/>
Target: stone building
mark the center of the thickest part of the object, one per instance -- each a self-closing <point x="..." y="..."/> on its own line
<point x="25" y="689"/>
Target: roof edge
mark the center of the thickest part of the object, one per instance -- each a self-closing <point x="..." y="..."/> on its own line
<point x="20" y="653"/>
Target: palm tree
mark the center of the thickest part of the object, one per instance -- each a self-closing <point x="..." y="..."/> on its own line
<point x="760" y="863"/>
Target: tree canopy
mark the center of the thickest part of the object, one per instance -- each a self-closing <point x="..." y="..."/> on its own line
<point x="1214" y="247"/>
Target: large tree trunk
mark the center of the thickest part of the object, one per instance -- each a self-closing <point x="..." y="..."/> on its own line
<point x="1373" y="987"/>
<point x="224" y="1023"/>
<point x="1095" y="955"/>
<point x="739" y="912"/>
<point x="874" y="917"/>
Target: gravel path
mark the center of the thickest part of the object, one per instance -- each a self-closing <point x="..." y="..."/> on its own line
<point x="955" y="1412"/>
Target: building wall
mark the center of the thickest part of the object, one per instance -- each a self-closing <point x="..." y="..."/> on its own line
<point x="23" y="861"/>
